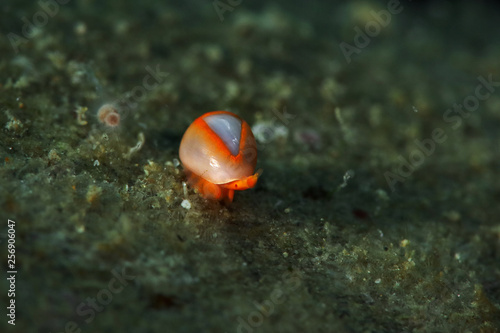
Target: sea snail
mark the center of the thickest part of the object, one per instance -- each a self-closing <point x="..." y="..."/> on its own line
<point x="219" y="154"/>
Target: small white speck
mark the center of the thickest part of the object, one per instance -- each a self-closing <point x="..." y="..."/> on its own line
<point x="176" y="162"/>
<point x="96" y="163"/>
<point x="186" y="204"/>
<point x="377" y="281"/>
<point x="348" y="175"/>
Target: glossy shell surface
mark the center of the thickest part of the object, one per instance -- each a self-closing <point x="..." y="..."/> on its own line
<point x="219" y="147"/>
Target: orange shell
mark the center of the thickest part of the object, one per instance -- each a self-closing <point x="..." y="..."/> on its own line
<point x="210" y="166"/>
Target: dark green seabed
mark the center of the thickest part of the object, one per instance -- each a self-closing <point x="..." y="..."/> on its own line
<point x="378" y="132"/>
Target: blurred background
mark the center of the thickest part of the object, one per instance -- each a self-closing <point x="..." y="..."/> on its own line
<point x="377" y="130"/>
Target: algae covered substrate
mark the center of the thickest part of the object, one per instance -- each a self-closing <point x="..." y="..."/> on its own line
<point x="377" y="125"/>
